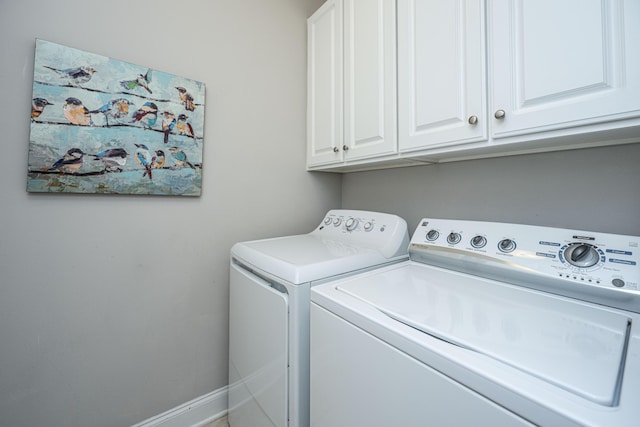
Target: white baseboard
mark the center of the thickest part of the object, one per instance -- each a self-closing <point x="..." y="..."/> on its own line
<point x="195" y="413"/>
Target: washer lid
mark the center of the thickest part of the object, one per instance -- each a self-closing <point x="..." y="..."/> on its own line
<point x="306" y="257"/>
<point x="577" y="346"/>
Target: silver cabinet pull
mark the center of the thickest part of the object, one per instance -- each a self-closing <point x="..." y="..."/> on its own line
<point x="473" y="120"/>
<point x="499" y="114"/>
<point x="336" y="149"/>
<point x="345" y="147"/>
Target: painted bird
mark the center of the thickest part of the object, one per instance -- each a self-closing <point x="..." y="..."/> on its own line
<point x="180" y="158"/>
<point x="76" y="112"/>
<point x="116" y="109"/>
<point x="142" y="80"/>
<point x="113" y="158"/>
<point x="77" y="75"/>
<point x="168" y="123"/>
<point x="144" y="159"/>
<point x="70" y="162"/>
<point x="158" y="160"/>
<point x="37" y="107"/>
<point x="183" y="127"/>
<point x="147" y="115"/>
<point x="186" y="98"/>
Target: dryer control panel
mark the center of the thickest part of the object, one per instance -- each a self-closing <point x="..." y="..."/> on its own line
<point x="594" y="266"/>
<point x="384" y="232"/>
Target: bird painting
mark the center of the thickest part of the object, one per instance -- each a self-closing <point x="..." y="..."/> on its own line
<point x="147" y="115"/>
<point x="70" y="162"/>
<point x="168" y="123"/>
<point x="180" y="158"/>
<point x="183" y="127"/>
<point x="186" y="98"/>
<point x="116" y="109"/>
<point x="144" y="159"/>
<point x="103" y="133"/>
<point x="76" y="76"/>
<point x="76" y="112"/>
<point x="142" y="81"/>
<point x="113" y="159"/>
<point x="37" y="107"/>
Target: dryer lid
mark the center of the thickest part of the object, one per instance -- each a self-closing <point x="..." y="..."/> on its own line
<point x="306" y="258"/>
<point x="577" y="346"/>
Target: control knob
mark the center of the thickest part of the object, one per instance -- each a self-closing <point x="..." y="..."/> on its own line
<point x="454" y="238"/>
<point x="432" y="235"/>
<point x="507" y="245"/>
<point x="351" y="224"/>
<point x="581" y="255"/>
<point x="478" y="242"/>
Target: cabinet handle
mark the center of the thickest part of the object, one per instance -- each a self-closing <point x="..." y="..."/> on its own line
<point x="345" y="147"/>
<point x="473" y="120"/>
<point x="336" y="149"/>
<point x="500" y="114"/>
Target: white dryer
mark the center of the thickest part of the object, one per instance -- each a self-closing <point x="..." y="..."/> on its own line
<point x="486" y="324"/>
<point x="270" y="283"/>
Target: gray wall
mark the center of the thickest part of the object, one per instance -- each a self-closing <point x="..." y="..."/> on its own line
<point x="594" y="189"/>
<point x="114" y="308"/>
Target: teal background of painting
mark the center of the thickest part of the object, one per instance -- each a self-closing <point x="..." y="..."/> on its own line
<point x="52" y="135"/>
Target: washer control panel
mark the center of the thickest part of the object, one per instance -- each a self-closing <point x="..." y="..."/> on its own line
<point x="384" y="232"/>
<point x="578" y="257"/>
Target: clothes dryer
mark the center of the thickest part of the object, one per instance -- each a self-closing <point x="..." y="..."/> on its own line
<point x="270" y="283"/>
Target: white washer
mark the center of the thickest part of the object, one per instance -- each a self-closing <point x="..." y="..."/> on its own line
<point x="486" y="324"/>
<point x="270" y="284"/>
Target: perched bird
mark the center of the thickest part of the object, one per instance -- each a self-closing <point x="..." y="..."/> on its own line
<point x="116" y="108"/>
<point x="77" y="75"/>
<point x="186" y="98"/>
<point x="37" y="107"/>
<point x="158" y="160"/>
<point x="144" y="159"/>
<point x="147" y="115"/>
<point x="168" y="123"/>
<point x="142" y="80"/>
<point x="183" y="127"/>
<point x="113" y="158"/>
<point x="76" y="112"/>
<point x="70" y="163"/>
<point x="180" y="158"/>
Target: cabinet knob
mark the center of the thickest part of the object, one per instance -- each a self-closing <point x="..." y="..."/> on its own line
<point x="473" y="120"/>
<point x="499" y="114"/>
<point x="345" y="147"/>
<point x="336" y="149"/>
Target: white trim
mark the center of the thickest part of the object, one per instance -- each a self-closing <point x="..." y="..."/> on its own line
<point x="195" y="413"/>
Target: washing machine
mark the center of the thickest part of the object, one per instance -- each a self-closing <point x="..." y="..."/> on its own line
<point x="485" y="324"/>
<point x="270" y="284"/>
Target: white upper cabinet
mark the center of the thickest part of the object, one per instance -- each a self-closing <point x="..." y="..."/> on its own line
<point x="352" y="81"/>
<point x="324" y="85"/>
<point x="561" y="64"/>
<point x="441" y="73"/>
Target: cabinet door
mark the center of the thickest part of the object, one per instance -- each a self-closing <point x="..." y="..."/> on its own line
<point x="441" y="73"/>
<point x="369" y="78"/>
<point x="324" y="85"/>
<point x="559" y="64"/>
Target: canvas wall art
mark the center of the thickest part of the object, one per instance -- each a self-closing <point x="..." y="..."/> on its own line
<point x="100" y="125"/>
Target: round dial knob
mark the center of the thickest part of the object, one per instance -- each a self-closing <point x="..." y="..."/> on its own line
<point x="368" y="226"/>
<point x="581" y="255"/>
<point x="506" y="245"/>
<point x="351" y="224"/>
<point x="337" y="221"/>
<point x="454" y="238"/>
<point x="432" y="235"/>
<point x="478" y="242"/>
<point x="327" y="220"/>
